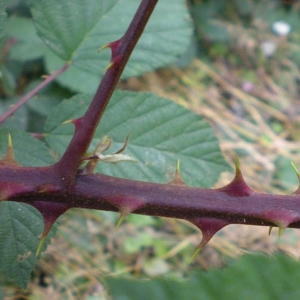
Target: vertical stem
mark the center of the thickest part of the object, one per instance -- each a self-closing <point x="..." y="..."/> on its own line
<point x="86" y="126"/>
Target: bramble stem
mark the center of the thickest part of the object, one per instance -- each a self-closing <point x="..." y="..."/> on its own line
<point x="68" y="165"/>
<point x="24" y="99"/>
<point x="98" y="191"/>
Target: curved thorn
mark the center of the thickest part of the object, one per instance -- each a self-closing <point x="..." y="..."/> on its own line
<point x="103" y="47"/>
<point x="109" y="66"/>
<point x="40" y="245"/>
<point x="124" y="145"/>
<point x="121" y="219"/>
<point x="296" y="170"/>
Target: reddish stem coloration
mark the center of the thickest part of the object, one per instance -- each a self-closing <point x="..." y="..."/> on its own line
<point x="97" y="191"/>
<point x="86" y="126"/>
<point x="55" y="189"/>
<point x="24" y="99"/>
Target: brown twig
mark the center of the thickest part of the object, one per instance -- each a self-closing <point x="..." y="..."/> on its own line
<point x="24" y="99"/>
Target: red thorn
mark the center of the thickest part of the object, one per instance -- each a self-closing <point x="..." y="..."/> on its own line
<point x="76" y="122"/>
<point x="115" y="60"/>
<point x="209" y="227"/>
<point x="177" y="180"/>
<point x="281" y="218"/>
<point x="237" y="187"/>
<point x="50" y="212"/>
<point x="126" y="204"/>
<point x="9" y="157"/>
<point x="114" y="46"/>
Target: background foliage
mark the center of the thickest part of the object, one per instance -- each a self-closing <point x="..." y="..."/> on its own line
<point x="248" y="96"/>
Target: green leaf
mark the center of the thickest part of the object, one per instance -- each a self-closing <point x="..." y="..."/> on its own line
<point x="252" y="277"/>
<point x="64" y="25"/>
<point x="138" y="241"/>
<point x="28" y="150"/>
<point x="28" y="45"/>
<point x="161" y="133"/>
<point x="75" y="29"/>
<point x="3" y="24"/>
<point x="21" y="227"/>
<point x="21" y="224"/>
<point x="47" y="98"/>
<point x="8" y="80"/>
<point x="19" y="119"/>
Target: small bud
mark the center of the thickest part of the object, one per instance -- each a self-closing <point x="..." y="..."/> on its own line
<point x="103" y="145"/>
<point x="97" y="155"/>
<point x="115" y="158"/>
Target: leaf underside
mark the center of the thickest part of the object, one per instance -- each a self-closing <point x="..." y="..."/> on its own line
<point x="20" y="231"/>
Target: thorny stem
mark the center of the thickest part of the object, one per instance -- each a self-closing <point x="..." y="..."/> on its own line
<point x="98" y="191"/>
<point x="86" y="126"/>
<point x="209" y="209"/>
<point x="24" y="99"/>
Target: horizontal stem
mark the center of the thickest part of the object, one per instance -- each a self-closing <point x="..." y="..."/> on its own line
<point x="103" y="192"/>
